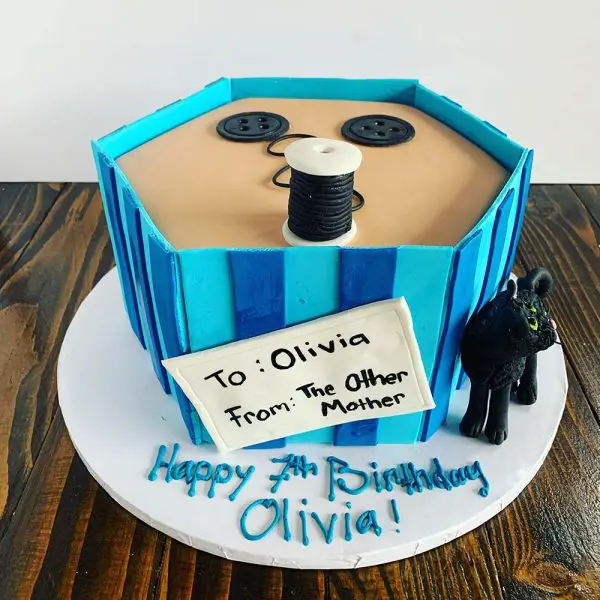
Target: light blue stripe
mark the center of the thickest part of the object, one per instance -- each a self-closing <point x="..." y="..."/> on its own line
<point x="422" y="277"/>
<point x="208" y="301"/>
<point x="512" y="223"/>
<point x="372" y="90"/>
<point x="311" y="291"/>
<point x="522" y="175"/>
<point x="208" y="297"/>
<point x="487" y="229"/>
<point x="311" y="283"/>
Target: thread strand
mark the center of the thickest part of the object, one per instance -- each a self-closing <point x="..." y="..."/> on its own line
<point x="319" y="207"/>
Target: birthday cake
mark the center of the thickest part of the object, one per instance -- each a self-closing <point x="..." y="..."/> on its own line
<point x="300" y="257"/>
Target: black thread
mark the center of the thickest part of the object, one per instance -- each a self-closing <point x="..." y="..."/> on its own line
<point x="320" y="207"/>
<point x="288" y="136"/>
<point x="282" y="184"/>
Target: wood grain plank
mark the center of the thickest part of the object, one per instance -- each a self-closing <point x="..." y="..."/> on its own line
<point x="303" y="584"/>
<point x="23" y="208"/>
<point x="427" y="575"/>
<point x="548" y="537"/>
<point x="81" y="486"/>
<point x="57" y="573"/>
<point x="212" y="577"/>
<point x="252" y="581"/>
<point x="181" y="570"/>
<point x="104" y="559"/>
<point x="162" y="581"/>
<point x="23" y="548"/>
<point x="144" y="555"/>
<point x="590" y="196"/>
<point x="52" y="275"/>
<point x="558" y="234"/>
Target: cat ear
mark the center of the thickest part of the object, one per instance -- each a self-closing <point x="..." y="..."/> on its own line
<point x="538" y="281"/>
<point x="511" y="288"/>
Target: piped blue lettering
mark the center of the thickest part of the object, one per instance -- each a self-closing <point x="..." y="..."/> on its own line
<point x="267" y="503"/>
<point x="244" y="477"/>
<point x="160" y="464"/>
<point x="326" y="531"/>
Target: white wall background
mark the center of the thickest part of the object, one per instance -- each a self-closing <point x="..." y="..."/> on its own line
<point x="72" y="70"/>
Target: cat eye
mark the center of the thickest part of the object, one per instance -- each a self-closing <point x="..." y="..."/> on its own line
<point x="533" y="323"/>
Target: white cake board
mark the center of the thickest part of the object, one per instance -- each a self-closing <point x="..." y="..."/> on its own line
<point x="118" y="416"/>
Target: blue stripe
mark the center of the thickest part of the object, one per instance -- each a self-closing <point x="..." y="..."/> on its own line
<point x="499" y="235"/>
<point x="165" y="285"/>
<point x="163" y="275"/>
<point x="503" y="221"/>
<point x="133" y="231"/>
<point x="366" y="275"/>
<point x="422" y="278"/>
<point x="108" y="187"/>
<point x="457" y="313"/>
<point x="486" y="226"/>
<point x="258" y="289"/>
<point x="311" y="291"/>
<point x="523" y="193"/>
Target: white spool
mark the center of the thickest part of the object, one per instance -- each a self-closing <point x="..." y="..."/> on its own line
<point x="320" y="156"/>
<point x="325" y="158"/>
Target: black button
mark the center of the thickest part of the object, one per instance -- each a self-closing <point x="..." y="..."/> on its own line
<point x="378" y="130"/>
<point x="252" y="127"/>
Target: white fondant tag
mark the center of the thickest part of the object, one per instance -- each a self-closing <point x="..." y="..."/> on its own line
<point x="359" y="364"/>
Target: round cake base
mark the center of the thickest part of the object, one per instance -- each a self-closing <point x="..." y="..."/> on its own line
<point x="118" y="417"/>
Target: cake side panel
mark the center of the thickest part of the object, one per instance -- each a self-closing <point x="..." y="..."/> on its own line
<point x="522" y="193"/>
<point x="164" y="278"/>
<point x="108" y="190"/>
<point x="366" y="275"/>
<point x="422" y="277"/>
<point x="372" y="90"/>
<point x="207" y="301"/>
<point x="259" y="297"/>
<point x="460" y="296"/>
<point x="500" y="235"/>
<point x="132" y="229"/>
<point x="311" y="291"/>
<point x="503" y="223"/>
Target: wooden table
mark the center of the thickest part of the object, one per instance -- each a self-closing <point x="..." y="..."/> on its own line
<point x="61" y="535"/>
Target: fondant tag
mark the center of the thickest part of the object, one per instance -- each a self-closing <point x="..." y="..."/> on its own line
<point x="359" y="364"/>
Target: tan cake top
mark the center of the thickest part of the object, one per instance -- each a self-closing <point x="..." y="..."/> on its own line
<point x="203" y="191"/>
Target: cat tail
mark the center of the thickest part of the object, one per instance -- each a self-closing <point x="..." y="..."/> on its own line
<point x="538" y="281"/>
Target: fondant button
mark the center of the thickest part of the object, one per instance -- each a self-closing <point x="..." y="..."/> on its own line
<point x="323" y="157"/>
<point x="252" y="126"/>
<point x="378" y="130"/>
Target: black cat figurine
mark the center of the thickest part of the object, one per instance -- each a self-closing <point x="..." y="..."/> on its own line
<point x="498" y="352"/>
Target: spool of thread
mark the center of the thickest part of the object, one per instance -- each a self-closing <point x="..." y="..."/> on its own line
<point x="321" y="187"/>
